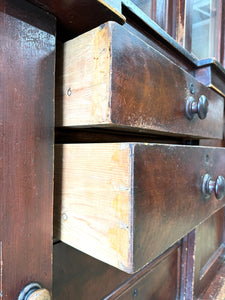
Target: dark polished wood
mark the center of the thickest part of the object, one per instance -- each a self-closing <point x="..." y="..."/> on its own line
<point x="27" y="50"/>
<point x="161" y="282"/>
<point x="76" y="17"/>
<point x="212" y="75"/>
<point x="166" y="206"/>
<point x="78" y="276"/>
<point x="26" y="157"/>
<point x="141" y="91"/>
<point x="209" y="251"/>
<point x="165" y="49"/>
<point x="144" y="90"/>
<point x="175" y="18"/>
<point x="187" y="266"/>
<point x="216" y="289"/>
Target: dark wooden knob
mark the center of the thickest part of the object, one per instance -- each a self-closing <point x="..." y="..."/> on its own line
<point x="34" y="291"/>
<point x="199" y="107"/>
<point x="209" y="186"/>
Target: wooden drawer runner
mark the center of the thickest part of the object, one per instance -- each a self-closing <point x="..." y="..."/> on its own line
<point x="109" y="77"/>
<point x="126" y="203"/>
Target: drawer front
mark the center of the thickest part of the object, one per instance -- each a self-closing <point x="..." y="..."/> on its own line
<point x="162" y="282"/>
<point x="109" y="77"/>
<point x="88" y="278"/>
<point x="127" y="203"/>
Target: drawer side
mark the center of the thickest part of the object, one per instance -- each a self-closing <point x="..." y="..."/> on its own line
<point x="92" y="200"/>
<point x="83" y="79"/>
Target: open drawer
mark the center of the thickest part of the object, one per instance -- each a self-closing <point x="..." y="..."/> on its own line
<point x="109" y="77"/>
<point x="126" y="203"/>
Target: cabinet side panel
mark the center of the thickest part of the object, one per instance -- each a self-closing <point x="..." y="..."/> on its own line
<point x="27" y="50"/>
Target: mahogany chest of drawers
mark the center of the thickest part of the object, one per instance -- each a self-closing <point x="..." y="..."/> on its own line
<point x="138" y="191"/>
<point x="135" y="204"/>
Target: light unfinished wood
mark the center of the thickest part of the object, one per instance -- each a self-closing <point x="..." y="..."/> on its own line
<point x="95" y="186"/>
<point x="41" y="294"/>
<point x="84" y="80"/>
<point x="126" y="203"/>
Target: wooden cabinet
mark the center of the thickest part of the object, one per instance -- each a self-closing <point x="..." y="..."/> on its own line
<point x="127" y="203"/>
<point x="132" y="105"/>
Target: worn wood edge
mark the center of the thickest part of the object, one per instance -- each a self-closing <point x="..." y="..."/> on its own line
<point x="216" y="255"/>
<point x="213" y="87"/>
<point x="108" y="250"/>
<point x="190" y="265"/>
<point x="208" y="80"/>
<point x="216" y="290"/>
<point x="187" y="267"/>
<point x="70" y="27"/>
<point x="145" y="271"/>
<point x="114" y="10"/>
<point x="212" y="62"/>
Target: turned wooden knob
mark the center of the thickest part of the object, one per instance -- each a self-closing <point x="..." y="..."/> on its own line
<point x="209" y="186"/>
<point x="199" y="107"/>
<point x="34" y="291"/>
<point x="41" y="294"/>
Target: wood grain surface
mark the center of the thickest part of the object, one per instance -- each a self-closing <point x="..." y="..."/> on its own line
<point x="76" y="17"/>
<point x="209" y="251"/>
<point x="131" y="202"/>
<point x="94" y="184"/>
<point x="161" y="282"/>
<point x="83" y="67"/>
<point x="27" y="55"/>
<point x="167" y="194"/>
<point x="209" y="76"/>
<point x="79" y="276"/>
<point x="111" y="78"/>
<point x="216" y="289"/>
